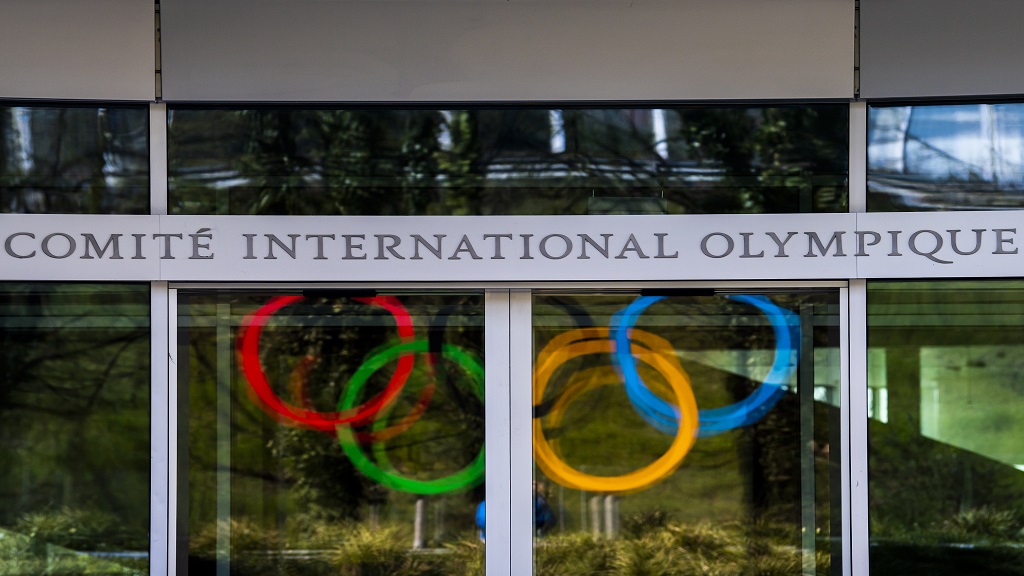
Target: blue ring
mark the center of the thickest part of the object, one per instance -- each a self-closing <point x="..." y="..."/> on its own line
<point x="664" y="416"/>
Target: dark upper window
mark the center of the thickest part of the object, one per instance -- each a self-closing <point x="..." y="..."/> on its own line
<point x="508" y="161"/>
<point x="74" y="159"/>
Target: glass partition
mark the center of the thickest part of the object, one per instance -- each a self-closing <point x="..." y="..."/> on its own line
<point x="945" y="459"/>
<point x="687" y="433"/>
<point x="330" y="433"/>
<point x="946" y="157"/>
<point x="375" y="161"/>
<point x="74" y="159"/>
<point x="74" y="429"/>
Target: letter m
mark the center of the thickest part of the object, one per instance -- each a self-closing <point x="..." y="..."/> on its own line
<point x="112" y="244"/>
<point x="814" y="241"/>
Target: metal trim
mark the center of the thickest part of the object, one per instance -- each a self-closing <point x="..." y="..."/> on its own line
<point x="159" y="451"/>
<point x="520" y="354"/>
<point x="856" y="426"/>
<point x="158" y="159"/>
<point x="497" y="428"/>
<point x="172" y="432"/>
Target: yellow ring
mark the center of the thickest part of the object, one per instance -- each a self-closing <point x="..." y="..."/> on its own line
<point x="649" y="349"/>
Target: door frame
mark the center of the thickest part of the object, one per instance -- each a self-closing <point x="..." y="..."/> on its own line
<point x="509" y="409"/>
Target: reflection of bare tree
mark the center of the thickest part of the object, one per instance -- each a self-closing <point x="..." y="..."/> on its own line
<point x="74" y="402"/>
<point x="307" y="469"/>
<point x="477" y="161"/>
<point x="76" y="160"/>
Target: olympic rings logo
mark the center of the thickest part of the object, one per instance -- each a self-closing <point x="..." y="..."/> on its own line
<point x="372" y="412"/>
<point x="633" y="352"/>
<point x="627" y="345"/>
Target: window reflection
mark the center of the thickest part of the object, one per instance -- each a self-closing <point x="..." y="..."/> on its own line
<point x="710" y="446"/>
<point x="508" y="161"/>
<point x="945" y="461"/>
<point x="959" y="157"/>
<point x="74" y="429"/>
<point x="76" y="160"/>
<point x="330" y="433"/>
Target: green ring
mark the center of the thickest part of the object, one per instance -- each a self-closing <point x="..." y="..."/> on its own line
<point x="385" y="473"/>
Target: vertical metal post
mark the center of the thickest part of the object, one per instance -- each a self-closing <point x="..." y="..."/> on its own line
<point x="611" y="516"/>
<point x="223" y="482"/>
<point x="660" y="132"/>
<point x="557" y="136"/>
<point x="158" y="159"/>
<point x="498" y="557"/>
<point x="856" y="422"/>
<point x="418" y="525"/>
<point x="520" y="354"/>
<point x="854" y="357"/>
<point x="858" y="162"/>
<point x="162" y="410"/>
<point x="160" y="414"/>
<point x="808" y="529"/>
<point x="174" y="466"/>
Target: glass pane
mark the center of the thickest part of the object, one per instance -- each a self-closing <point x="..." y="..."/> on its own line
<point x="74" y="160"/>
<point x="508" y="161"/>
<point x="959" y="157"/>
<point x="330" y="433"/>
<point x="945" y="457"/>
<point x="74" y="429"/>
<point x="687" y="434"/>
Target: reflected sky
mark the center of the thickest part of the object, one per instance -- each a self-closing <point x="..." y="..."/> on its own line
<point x="946" y="157"/>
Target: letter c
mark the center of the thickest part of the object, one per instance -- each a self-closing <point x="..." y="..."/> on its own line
<point x="10" y="241"/>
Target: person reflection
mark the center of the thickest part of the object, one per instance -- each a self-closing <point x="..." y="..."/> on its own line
<point x="543" y="515"/>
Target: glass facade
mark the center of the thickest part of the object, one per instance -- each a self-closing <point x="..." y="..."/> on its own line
<point x="330" y="433"/>
<point x="687" y="434"/>
<point x="74" y="160"/>
<point x="508" y="161"/>
<point x="673" y="430"/>
<point x="74" y="428"/>
<point x="946" y="480"/>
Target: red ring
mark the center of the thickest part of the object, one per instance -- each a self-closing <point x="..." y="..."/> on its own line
<point x="248" y="354"/>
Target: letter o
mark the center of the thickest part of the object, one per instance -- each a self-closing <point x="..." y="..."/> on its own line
<point x="544" y="246"/>
<point x="729" y="245"/>
<point x="46" y="245"/>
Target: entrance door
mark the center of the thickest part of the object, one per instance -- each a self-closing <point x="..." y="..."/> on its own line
<point x="339" y="431"/>
<point x="687" y="432"/>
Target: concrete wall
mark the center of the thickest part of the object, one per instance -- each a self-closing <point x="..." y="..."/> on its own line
<point x="922" y="48"/>
<point x="501" y="50"/>
<point x="509" y="50"/>
<point x="77" y="49"/>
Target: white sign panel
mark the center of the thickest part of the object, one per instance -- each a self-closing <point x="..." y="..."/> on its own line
<point x="940" y="244"/>
<point x="510" y="248"/>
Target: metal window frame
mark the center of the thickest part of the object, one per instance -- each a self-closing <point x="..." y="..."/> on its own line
<point x="508" y="341"/>
<point x="855" y="415"/>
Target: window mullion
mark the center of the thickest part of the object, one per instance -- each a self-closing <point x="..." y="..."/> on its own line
<point x="497" y="431"/>
<point x="521" y="425"/>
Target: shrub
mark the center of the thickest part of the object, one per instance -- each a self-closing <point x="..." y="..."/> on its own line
<point x="987" y="524"/>
<point x="366" y="551"/>
<point x="577" y="554"/>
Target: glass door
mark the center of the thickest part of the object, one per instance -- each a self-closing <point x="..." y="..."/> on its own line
<point x="330" y="432"/>
<point x="627" y="431"/>
<point x="687" y="432"/>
